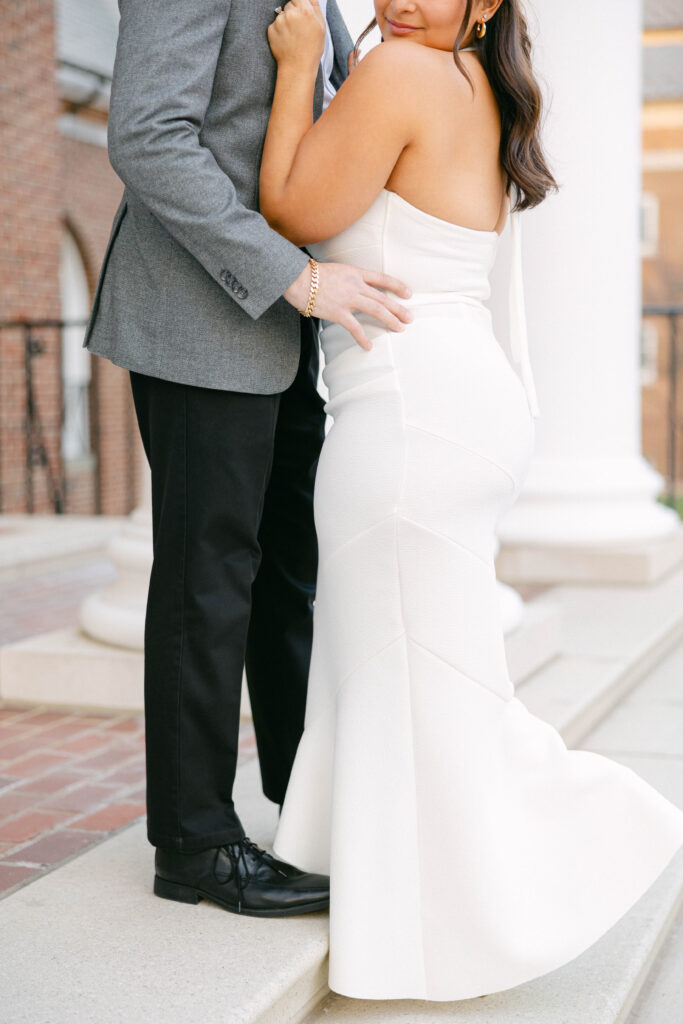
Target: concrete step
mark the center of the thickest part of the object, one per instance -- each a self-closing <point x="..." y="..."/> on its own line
<point x="105" y="948"/>
<point x="624" y="562"/>
<point x="67" y="668"/>
<point x="611" y="637"/>
<point x="661" y="998"/>
<point x="536" y="641"/>
<point x="32" y="544"/>
<point x="91" y="942"/>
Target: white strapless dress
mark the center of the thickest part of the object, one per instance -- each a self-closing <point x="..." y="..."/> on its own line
<point x="469" y="850"/>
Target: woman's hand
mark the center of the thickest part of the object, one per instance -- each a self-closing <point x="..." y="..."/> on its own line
<point x="297" y="36"/>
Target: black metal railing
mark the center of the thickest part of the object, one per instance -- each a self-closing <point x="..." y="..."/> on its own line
<point x="40" y="456"/>
<point x="671" y="314"/>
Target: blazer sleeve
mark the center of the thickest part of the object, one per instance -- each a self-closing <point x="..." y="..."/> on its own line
<point x="342" y="41"/>
<point x="164" y="73"/>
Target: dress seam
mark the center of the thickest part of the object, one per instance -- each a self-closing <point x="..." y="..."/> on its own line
<point x="397" y="520"/>
<point x="463" y="447"/>
<point x="366" y="661"/>
<point x="352" y="540"/>
<point x="448" y="540"/>
<point x="397" y="555"/>
<point x="451" y="665"/>
<point x="375" y="654"/>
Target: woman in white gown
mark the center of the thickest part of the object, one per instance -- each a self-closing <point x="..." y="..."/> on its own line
<point x="469" y="850"/>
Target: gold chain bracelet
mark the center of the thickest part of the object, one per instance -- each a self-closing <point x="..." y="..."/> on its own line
<point x="313" y="293"/>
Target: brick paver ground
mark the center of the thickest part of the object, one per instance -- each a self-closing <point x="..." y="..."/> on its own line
<point x="38" y="603"/>
<point x="68" y="779"/>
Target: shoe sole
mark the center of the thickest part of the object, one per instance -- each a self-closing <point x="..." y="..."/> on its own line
<point x="190" y="894"/>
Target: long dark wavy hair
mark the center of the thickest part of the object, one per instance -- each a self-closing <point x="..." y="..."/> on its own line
<point x="505" y="54"/>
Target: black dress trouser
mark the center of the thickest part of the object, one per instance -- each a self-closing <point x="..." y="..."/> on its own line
<point x="232" y="583"/>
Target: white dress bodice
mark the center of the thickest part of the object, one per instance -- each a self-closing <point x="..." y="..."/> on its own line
<point x="440" y="261"/>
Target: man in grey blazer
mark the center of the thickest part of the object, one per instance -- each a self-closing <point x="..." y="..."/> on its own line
<point x="199" y="299"/>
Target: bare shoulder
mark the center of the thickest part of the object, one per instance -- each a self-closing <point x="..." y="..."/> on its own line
<point x="418" y="72"/>
<point x="397" y="60"/>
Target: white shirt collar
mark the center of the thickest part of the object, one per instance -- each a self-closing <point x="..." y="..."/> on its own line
<point x="327" y="62"/>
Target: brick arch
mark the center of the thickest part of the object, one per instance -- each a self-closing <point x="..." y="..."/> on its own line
<point x="90" y="264"/>
<point x="91" y="192"/>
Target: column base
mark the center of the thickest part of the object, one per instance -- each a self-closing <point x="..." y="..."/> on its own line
<point x="631" y="562"/>
<point x="66" y="668"/>
<point x="116" y="614"/>
<point x="586" y="502"/>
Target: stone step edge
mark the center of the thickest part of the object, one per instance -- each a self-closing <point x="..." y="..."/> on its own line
<point x="577" y="721"/>
<point x="300" y="999"/>
<point x="650" y="957"/>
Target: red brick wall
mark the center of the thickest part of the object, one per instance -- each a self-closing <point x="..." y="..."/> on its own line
<point x="663" y="273"/>
<point x="29" y="235"/>
<point x="90" y="195"/>
<point x="48" y="181"/>
<point x="663" y="284"/>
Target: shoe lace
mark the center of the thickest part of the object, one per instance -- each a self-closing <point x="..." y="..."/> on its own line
<point x="263" y="856"/>
<point x="237" y="853"/>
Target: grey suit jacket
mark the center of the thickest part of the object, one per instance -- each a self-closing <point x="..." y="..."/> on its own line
<point x="191" y="284"/>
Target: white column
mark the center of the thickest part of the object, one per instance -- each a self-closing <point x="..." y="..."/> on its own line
<point x="116" y="614"/>
<point x="357" y="14"/>
<point x="588" y="483"/>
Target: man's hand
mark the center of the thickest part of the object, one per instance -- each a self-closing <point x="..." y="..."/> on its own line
<point x="345" y="290"/>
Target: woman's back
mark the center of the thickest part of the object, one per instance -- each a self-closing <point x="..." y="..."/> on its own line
<point x="432" y="255"/>
<point x="452" y="170"/>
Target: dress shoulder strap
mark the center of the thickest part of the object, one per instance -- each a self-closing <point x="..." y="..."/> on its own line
<point x="519" y="341"/>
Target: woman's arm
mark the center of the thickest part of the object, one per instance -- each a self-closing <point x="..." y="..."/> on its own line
<point x="317" y="178"/>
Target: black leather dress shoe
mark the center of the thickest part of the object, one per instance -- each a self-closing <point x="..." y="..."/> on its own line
<point x="240" y="877"/>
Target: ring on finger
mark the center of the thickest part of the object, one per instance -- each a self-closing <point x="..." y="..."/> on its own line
<point x="278" y="10"/>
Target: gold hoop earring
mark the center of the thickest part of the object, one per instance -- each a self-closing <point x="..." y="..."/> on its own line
<point x="481" y="28"/>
